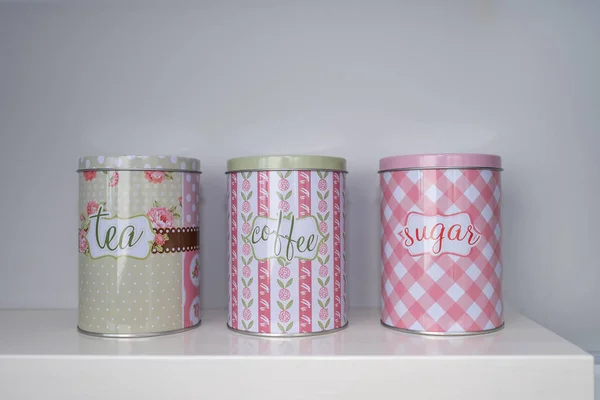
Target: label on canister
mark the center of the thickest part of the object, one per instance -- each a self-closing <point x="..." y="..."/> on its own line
<point x="287" y="251"/>
<point x="139" y="263"/>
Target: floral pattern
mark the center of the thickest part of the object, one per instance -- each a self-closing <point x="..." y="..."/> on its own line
<point x="197" y="311"/>
<point x="324" y="278"/>
<point x="247" y="302"/>
<point x="284" y="301"/>
<point x="92" y="207"/>
<point x="89" y="175"/>
<point x="157" y="176"/>
<point x="160" y="239"/>
<point x="284" y="185"/>
<point x="247" y="278"/>
<point x="233" y="249"/>
<point x="161" y="218"/>
<point x="194" y="312"/>
<point x="125" y="194"/>
<point x="324" y="298"/>
<point x="273" y="295"/>
<point x="194" y="273"/>
<point x="344" y="265"/>
<point x="83" y="245"/>
<point x="84" y="224"/>
<point x="113" y="179"/>
<point x="196" y="269"/>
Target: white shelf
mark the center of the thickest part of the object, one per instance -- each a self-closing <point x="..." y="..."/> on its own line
<point x="597" y="380"/>
<point x="41" y="353"/>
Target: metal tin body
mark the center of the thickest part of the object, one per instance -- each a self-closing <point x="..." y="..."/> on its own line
<point x="287" y="237"/>
<point x="139" y="261"/>
<point x="441" y="244"/>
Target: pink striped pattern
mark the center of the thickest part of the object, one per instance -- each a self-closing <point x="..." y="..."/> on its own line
<point x="337" y="255"/>
<point x="344" y="248"/>
<point x="234" y="251"/>
<point x="264" y="269"/>
<point x="304" y="209"/>
<point x="189" y="201"/>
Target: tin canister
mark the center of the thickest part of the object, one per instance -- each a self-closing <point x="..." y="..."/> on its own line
<point x="139" y="262"/>
<point x="287" y="238"/>
<point x="441" y="243"/>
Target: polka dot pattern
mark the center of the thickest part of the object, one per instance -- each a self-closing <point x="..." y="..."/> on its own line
<point x="191" y="204"/>
<point x="138" y="297"/>
<point x="191" y="216"/>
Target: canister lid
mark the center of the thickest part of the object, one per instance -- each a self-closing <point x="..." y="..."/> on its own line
<point x="440" y="161"/>
<point x="139" y="163"/>
<point x="286" y="162"/>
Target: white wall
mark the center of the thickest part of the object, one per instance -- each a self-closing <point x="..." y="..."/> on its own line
<point x="356" y="79"/>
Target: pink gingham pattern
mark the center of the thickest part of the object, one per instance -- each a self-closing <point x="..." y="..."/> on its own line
<point x="442" y="293"/>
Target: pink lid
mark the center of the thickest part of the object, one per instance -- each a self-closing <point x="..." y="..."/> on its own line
<point x="449" y="160"/>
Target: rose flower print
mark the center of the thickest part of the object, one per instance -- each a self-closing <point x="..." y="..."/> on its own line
<point x="160" y="239"/>
<point x="157" y="176"/>
<point x="89" y="175"/>
<point x="114" y="179"/>
<point x="195" y="270"/>
<point x="162" y="218"/>
<point x="83" y="245"/>
<point x="92" y="207"/>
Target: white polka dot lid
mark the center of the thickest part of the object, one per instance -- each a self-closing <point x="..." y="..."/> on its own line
<point x="139" y="163"/>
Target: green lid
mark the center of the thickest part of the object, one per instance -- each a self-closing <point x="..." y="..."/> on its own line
<point x="286" y="163"/>
<point x="139" y="163"/>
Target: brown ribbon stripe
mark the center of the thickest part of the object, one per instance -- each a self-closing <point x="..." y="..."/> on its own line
<point x="180" y="239"/>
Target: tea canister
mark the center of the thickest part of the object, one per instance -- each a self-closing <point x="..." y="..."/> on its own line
<point x="441" y="243"/>
<point x="139" y="262"/>
<point x="287" y="239"/>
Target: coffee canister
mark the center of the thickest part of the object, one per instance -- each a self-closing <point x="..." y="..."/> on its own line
<point x="441" y="243"/>
<point x="287" y="239"/>
<point x="139" y="262"/>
